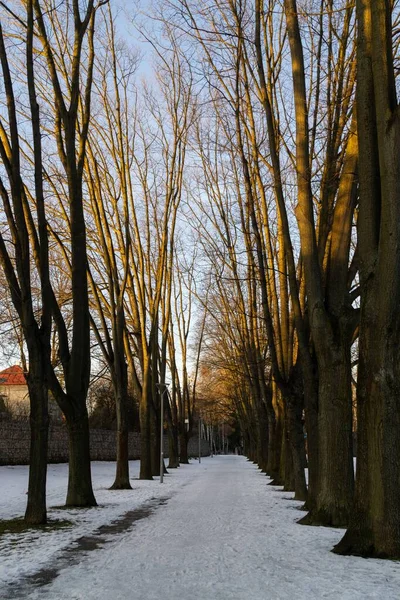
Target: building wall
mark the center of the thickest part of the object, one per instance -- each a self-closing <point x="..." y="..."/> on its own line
<point x="16" y="398"/>
<point x="15" y="441"/>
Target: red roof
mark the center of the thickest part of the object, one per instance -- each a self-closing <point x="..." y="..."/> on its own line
<point x="12" y="376"/>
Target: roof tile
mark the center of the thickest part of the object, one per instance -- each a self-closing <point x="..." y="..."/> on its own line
<point x="12" y="376"/>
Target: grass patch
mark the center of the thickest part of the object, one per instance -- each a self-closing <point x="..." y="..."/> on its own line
<point x="77" y="508"/>
<point x="18" y="525"/>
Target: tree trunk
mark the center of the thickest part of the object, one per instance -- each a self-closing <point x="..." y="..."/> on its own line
<point x="286" y="467"/>
<point x="80" y="492"/>
<point x="173" y="450"/>
<point x="296" y="442"/>
<point x="173" y="438"/>
<point x="155" y="441"/>
<point x="262" y="437"/>
<point x="374" y="528"/>
<point x="122" y="481"/>
<point x="310" y="385"/>
<point x="145" y="431"/>
<point x="35" y="513"/>
<point x="275" y="439"/>
<point x="183" y="448"/>
<point x="336" y="474"/>
<point x="247" y="445"/>
<point x="173" y="442"/>
<point x="274" y="446"/>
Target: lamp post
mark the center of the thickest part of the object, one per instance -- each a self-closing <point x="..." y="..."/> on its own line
<point x="199" y="438"/>
<point x="159" y="386"/>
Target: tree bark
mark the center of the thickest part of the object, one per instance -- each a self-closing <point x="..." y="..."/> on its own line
<point x="296" y="442"/>
<point x="183" y="448"/>
<point x="122" y="481"/>
<point x="80" y="491"/>
<point x="155" y="441"/>
<point x="145" y="429"/>
<point x="286" y="466"/>
<point x="276" y="427"/>
<point x="35" y="513"/>
<point x="310" y="384"/>
<point x="173" y="459"/>
<point x="262" y="437"/>
<point x="336" y="474"/>
<point x="173" y="440"/>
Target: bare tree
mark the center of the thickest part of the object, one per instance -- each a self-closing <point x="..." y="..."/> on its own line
<point x="331" y="316"/>
<point x="374" y="528"/>
<point x="25" y="210"/>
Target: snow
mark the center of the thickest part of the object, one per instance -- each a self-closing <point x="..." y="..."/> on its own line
<point x="17" y="551"/>
<point x="223" y="534"/>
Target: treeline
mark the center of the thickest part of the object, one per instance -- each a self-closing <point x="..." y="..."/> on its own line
<point x="255" y="190"/>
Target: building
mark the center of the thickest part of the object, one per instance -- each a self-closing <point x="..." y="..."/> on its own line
<point x="14" y="395"/>
<point x="14" y="391"/>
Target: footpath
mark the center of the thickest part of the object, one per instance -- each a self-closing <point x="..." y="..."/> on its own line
<point x="225" y="534"/>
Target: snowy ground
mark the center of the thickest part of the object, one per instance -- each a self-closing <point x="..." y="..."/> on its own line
<point x="223" y="534"/>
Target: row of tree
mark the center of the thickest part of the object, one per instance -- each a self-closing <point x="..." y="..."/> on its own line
<point x="253" y="189"/>
<point x="91" y="248"/>
<point x="297" y="203"/>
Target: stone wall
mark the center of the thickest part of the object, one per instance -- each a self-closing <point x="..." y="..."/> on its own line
<point x="15" y="440"/>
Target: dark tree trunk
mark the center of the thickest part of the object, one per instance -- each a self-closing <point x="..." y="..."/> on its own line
<point x="274" y="448"/>
<point x="374" y="529"/>
<point x="276" y="427"/>
<point x="183" y="448"/>
<point x="35" y="513"/>
<point x="286" y="466"/>
<point x="246" y="444"/>
<point x="310" y="385"/>
<point x="155" y="441"/>
<point x="122" y="481"/>
<point x="336" y="474"/>
<point x="173" y="438"/>
<point x="262" y="437"/>
<point x="294" y="410"/>
<point x="173" y="448"/>
<point x="80" y="491"/>
<point x="251" y="453"/>
<point x="145" y="431"/>
<point x="296" y="442"/>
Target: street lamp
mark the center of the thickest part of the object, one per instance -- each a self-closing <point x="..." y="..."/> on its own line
<point x="159" y="386"/>
<point x="199" y="438"/>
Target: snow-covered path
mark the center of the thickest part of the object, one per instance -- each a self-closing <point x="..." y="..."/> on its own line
<point x="223" y="535"/>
